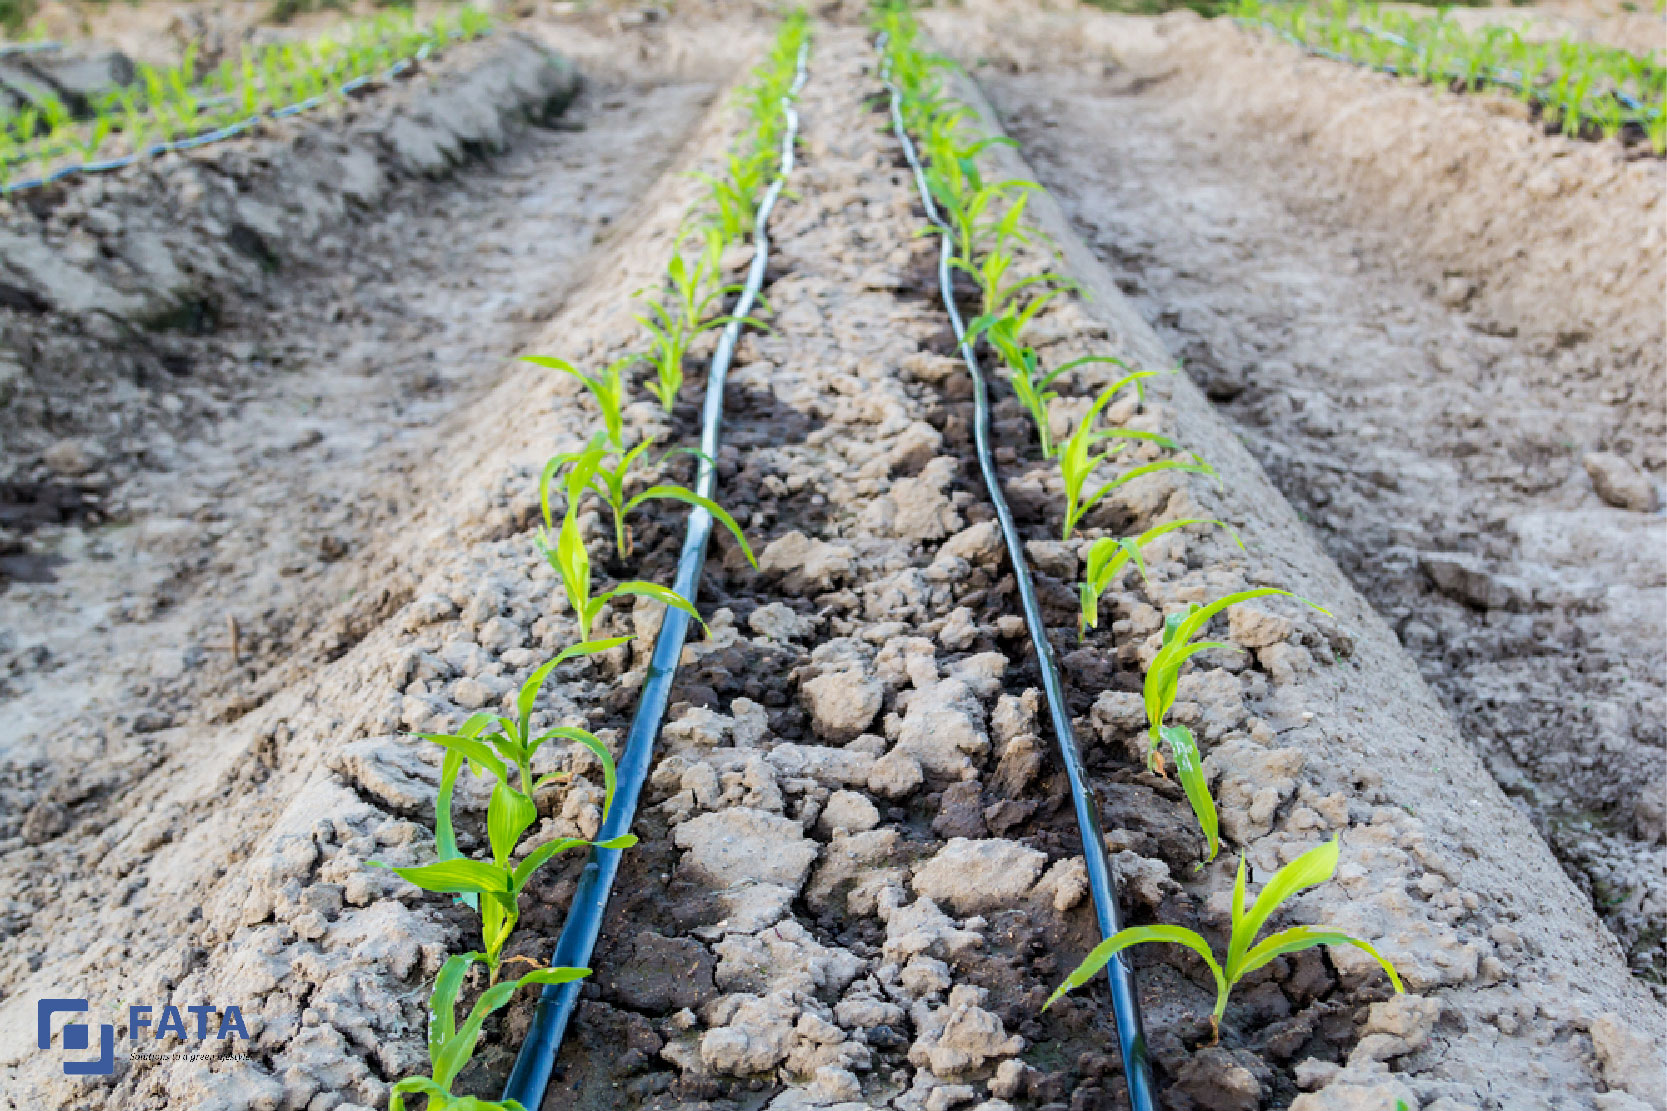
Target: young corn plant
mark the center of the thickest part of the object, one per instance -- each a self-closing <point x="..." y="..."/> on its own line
<point x="1024" y="373"/>
<point x="1582" y="88"/>
<point x="760" y="98"/>
<point x="1163" y="679"/>
<point x="566" y="553"/>
<point x="970" y="212"/>
<point x="1244" y="953"/>
<point x="609" y="484"/>
<point x="445" y="836"/>
<point x="673" y="325"/>
<point x="1107" y="557"/>
<point x="93" y="138"/>
<point x="607" y="386"/>
<point x="505" y="746"/>
<point x="990" y="271"/>
<point x="451" y="1047"/>
<point x="734" y="197"/>
<point x="1078" y="461"/>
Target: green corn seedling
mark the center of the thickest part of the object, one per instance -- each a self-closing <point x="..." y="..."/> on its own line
<point x="1023" y="365"/>
<point x="606" y="386"/>
<point x="1002" y="236"/>
<point x="513" y="743"/>
<point x="506" y="752"/>
<point x="497" y="885"/>
<point x="94" y="138"/>
<point x="997" y="297"/>
<point x="968" y="213"/>
<point x="674" y="325"/>
<point x="734" y="197"/>
<point x="609" y="483"/>
<point x="1163" y="678"/>
<point x="56" y="114"/>
<point x="771" y="81"/>
<point x="1077" y="461"/>
<point x="182" y="100"/>
<point x="25" y="124"/>
<point x="955" y="149"/>
<point x="572" y="563"/>
<point x="1244" y="954"/>
<point x="451" y="1047"/>
<point x="1579" y="86"/>
<point x="668" y="344"/>
<point x="1108" y="556"/>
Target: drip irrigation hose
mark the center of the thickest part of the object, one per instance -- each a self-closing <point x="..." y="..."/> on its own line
<point x="557" y="1002"/>
<point x="1125" y="1002"/>
<point x="227" y="132"/>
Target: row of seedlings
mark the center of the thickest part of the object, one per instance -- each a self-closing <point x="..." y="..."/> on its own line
<point x="503" y="745"/>
<point x="1583" y="89"/>
<point x="178" y="107"/>
<point x="987" y="220"/>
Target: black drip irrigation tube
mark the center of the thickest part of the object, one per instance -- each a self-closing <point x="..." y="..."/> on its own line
<point x="221" y="133"/>
<point x="557" y="1002"/>
<point x="1125" y="1001"/>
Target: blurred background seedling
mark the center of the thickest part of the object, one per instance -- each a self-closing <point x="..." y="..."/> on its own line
<point x="672" y="326"/>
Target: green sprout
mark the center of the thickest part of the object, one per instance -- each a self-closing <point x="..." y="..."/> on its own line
<point x="89" y="144"/>
<point x="1244" y="954"/>
<point x="673" y="326"/>
<point x="451" y="1047"/>
<point x="506" y="752"/>
<point x="607" y="386"/>
<point x="609" y="484"/>
<point x="969" y="212"/>
<point x="990" y="270"/>
<point x="1163" y="679"/>
<point x="1107" y="557"/>
<point x="1078" y="462"/>
<point x="1024" y="373"/>
<point x="734" y="198"/>
<point x="571" y="561"/>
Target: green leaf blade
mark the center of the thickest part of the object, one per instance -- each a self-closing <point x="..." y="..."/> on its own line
<point x="1102" y="954"/>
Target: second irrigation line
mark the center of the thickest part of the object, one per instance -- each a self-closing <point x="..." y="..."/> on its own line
<point x="1125" y="1003"/>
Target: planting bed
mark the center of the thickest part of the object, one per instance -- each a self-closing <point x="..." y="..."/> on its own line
<point x="858" y="876"/>
<point x="1476" y="446"/>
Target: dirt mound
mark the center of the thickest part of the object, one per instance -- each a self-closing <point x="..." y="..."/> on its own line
<point x="1472" y="482"/>
<point x="95" y="273"/>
